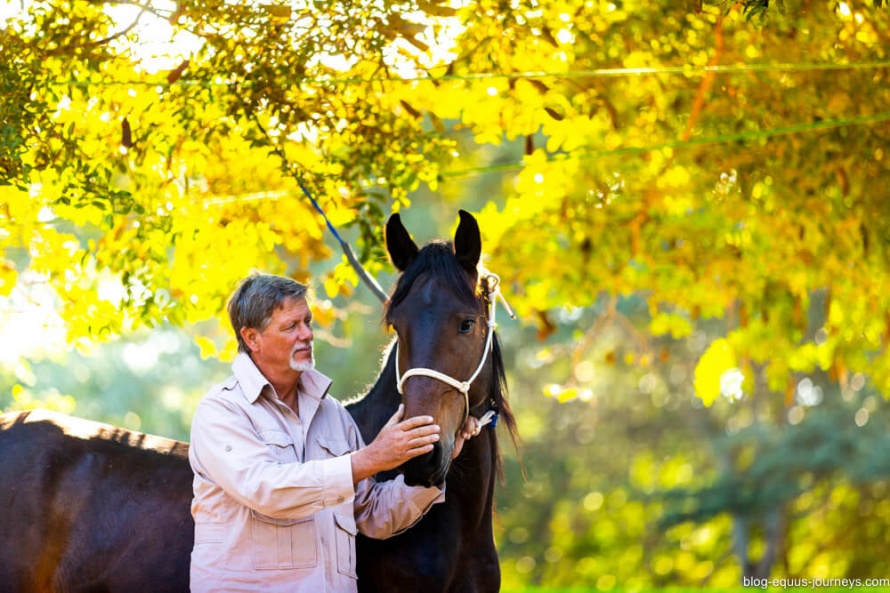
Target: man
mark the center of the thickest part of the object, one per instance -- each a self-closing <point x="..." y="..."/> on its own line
<point x="283" y="481"/>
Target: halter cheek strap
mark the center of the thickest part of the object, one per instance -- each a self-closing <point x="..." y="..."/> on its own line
<point x="494" y="294"/>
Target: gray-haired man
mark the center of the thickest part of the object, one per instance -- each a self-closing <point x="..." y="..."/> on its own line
<point x="283" y="481"/>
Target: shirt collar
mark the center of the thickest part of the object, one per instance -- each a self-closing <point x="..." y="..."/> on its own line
<point x="252" y="381"/>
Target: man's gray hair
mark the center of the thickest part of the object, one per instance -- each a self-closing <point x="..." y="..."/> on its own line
<point x="255" y="300"/>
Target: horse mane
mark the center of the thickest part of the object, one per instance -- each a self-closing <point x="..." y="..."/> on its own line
<point x="437" y="258"/>
<point x="498" y="396"/>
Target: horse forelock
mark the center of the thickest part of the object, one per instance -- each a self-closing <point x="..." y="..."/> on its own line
<point x="438" y="260"/>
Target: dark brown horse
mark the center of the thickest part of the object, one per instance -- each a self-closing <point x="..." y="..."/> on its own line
<point x="87" y="507"/>
<point x="440" y="312"/>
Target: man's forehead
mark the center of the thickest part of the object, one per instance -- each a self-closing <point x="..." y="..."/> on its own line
<point x="291" y="306"/>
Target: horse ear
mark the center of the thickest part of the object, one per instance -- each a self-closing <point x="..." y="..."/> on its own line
<point x="402" y="249"/>
<point x="468" y="242"/>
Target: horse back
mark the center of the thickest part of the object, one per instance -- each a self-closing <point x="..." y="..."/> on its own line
<point x="90" y="507"/>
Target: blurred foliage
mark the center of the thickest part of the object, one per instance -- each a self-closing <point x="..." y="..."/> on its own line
<point x="687" y="203"/>
<point x="149" y="383"/>
<point x="627" y="481"/>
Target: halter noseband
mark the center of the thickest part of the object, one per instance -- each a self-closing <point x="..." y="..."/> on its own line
<point x="493" y="293"/>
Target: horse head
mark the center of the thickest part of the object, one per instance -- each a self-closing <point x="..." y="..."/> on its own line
<point x="443" y="336"/>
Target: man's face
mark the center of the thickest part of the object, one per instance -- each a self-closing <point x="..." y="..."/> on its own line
<point x="286" y="342"/>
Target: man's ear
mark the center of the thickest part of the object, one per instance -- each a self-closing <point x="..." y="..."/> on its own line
<point x="250" y="336"/>
<point x="401" y="247"/>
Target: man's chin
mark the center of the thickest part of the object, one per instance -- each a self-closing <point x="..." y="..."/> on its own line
<point x="302" y="366"/>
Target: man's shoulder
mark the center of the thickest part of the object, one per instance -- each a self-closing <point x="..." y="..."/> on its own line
<point x="227" y="390"/>
<point x="227" y="385"/>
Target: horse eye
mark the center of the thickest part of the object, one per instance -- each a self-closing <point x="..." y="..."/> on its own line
<point x="467" y="325"/>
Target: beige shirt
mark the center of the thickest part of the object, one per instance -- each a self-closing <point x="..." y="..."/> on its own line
<point x="274" y="505"/>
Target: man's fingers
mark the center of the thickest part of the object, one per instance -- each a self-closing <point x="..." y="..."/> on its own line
<point x="417" y="451"/>
<point x="428" y="433"/>
<point x="416" y="422"/>
<point x="419" y="443"/>
<point x="423" y="440"/>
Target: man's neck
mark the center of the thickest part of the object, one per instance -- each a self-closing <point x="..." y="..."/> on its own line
<point x="285" y="385"/>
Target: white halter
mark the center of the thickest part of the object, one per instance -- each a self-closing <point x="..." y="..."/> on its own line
<point x="494" y="294"/>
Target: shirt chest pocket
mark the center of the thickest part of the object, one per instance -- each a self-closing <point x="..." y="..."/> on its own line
<point x="280" y="445"/>
<point x="280" y="544"/>
<point x="329" y="447"/>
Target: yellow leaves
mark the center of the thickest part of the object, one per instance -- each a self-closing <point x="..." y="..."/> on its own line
<point x="678" y="204"/>
<point x="803" y="359"/>
<point x="670" y="323"/>
<point x="341" y="281"/>
<point x="53" y="252"/>
<point x="8" y="277"/>
<point x="572" y="132"/>
<point x="836" y="315"/>
<point x="675" y="177"/>
<point x="207" y="346"/>
<point x="543" y="182"/>
<point x="481" y="109"/>
<point x="561" y="393"/>
<point x="715" y="369"/>
<point x="82" y="215"/>
<point x="210" y="256"/>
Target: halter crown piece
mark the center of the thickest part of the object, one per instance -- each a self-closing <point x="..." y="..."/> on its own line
<point x="493" y="292"/>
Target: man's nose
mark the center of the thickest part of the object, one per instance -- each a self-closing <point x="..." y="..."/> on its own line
<point x="305" y="333"/>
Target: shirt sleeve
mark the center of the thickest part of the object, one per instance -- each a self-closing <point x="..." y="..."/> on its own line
<point x="226" y="450"/>
<point x="385" y="509"/>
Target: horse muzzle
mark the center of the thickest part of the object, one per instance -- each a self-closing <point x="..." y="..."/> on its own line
<point x="428" y="469"/>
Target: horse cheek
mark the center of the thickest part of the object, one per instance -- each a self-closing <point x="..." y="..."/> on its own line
<point x="427" y="398"/>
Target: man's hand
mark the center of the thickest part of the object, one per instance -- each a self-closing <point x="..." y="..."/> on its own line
<point x="397" y="442"/>
<point x="468" y="430"/>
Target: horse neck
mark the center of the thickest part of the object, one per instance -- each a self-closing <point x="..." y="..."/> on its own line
<point x="372" y="410"/>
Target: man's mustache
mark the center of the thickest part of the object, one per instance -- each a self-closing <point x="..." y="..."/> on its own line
<point x="301" y="346"/>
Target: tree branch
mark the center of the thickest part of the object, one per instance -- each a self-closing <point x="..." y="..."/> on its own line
<point x="699" y="103"/>
<point x="89" y="45"/>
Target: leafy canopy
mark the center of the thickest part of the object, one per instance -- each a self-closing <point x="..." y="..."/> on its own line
<point x="725" y="161"/>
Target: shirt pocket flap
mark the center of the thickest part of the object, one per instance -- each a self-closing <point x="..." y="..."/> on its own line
<point x="335" y="447"/>
<point x="279" y="438"/>
<point x="346" y="523"/>
<point x="280" y="445"/>
<point x="283" y="522"/>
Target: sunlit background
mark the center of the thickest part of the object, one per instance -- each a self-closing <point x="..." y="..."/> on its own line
<point x="623" y="478"/>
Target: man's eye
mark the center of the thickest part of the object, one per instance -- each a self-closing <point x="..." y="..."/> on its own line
<point x="466" y="326"/>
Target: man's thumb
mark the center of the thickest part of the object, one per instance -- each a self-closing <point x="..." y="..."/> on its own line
<point x="397" y="416"/>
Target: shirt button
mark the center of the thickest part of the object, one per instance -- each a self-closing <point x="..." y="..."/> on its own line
<point x="228" y="448"/>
